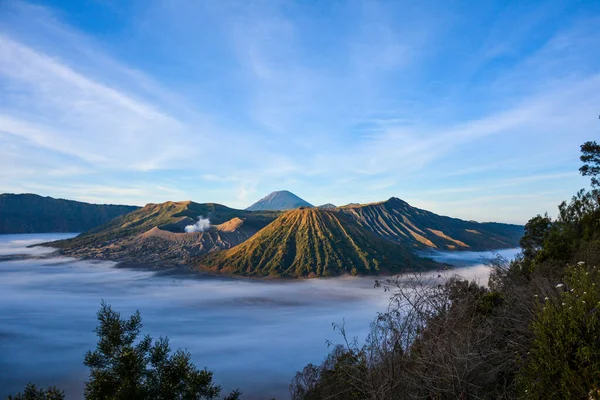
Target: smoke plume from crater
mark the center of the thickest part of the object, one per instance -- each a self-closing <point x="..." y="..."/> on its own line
<point x="202" y="225"/>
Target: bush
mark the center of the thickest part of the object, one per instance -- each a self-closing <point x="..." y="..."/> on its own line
<point x="564" y="361"/>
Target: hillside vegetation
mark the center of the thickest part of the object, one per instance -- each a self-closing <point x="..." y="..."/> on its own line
<point x="532" y="333"/>
<point x="313" y="243"/>
<point x="30" y="213"/>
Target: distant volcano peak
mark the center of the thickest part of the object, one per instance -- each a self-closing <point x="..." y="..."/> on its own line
<point x="279" y="200"/>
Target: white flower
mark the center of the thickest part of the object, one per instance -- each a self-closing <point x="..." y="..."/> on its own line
<point x="572" y="290"/>
<point x="535" y="295"/>
<point x="583" y="301"/>
<point x="560" y="285"/>
<point x="546" y="298"/>
<point x="580" y="263"/>
<point x="584" y="292"/>
<point x="564" y="304"/>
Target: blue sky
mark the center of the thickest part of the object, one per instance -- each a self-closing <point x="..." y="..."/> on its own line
<point x="469" y="109"/>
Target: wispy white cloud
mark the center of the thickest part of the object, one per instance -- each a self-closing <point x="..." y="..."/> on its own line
<point x="74" y="114"/>
<point x="345" y="102"/>
<point x="504" y="183"/>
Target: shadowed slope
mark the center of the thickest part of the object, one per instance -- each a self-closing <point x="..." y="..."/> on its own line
<point x="281" y="200"/>
<point x="30" y="213"/>
<point x="328" y="206"/>
<point x="313" y="243"/>
<point x="396" y="220"/>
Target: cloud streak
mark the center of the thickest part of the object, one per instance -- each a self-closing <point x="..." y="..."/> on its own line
<point x="348" y="102"/>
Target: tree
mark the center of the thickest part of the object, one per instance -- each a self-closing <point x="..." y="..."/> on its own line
<point x="536" y="231"/>
<point x="122" y="367"/>
<point x="31" y="392"/>
<point x="590" y="156"/>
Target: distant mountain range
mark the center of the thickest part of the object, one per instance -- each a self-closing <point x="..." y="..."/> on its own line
<point x="30" y="213"/>
<point x="327" y="206"/>
<point x="304" y="242"/>
<point x="281" y="200"/>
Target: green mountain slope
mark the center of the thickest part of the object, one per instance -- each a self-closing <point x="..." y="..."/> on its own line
<point x="313" y="243"/>
<point x="156" y="233"/>
<point x="396" y="220"/>
<point x="30" y="213"/>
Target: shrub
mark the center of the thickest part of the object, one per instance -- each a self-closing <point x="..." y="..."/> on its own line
<point x="564" y="360"/>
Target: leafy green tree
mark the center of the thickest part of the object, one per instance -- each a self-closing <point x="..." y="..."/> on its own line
<point x="564" y="360"/>
<point x="122" y="367"/>
<point x="590" y="156"/>
<point x="31" y="392"/>
<point x="536" y="230"/>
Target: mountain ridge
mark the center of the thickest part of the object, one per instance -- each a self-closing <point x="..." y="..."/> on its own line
<point x="279" y="201"/>
<point x="312" y="242"/>
<point x="156" y="233"/>
<point x="328" y="206"/>
<point x="396" y="220"/>
<point x="373" y="238"/>
<point x="32" y="213"/>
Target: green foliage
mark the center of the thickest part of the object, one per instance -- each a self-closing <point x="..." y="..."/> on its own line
<point x="31" y="392"/>
<point x="546" y="241"/>
<point x="590" y="156"/>
<point x="123" y="367"/>
<point x="577" y="225"/>
<point x="337" y="376"/>
<point x="536" y="231"/>
<point x="489" y="302"/>
<point x="564" y="361"/>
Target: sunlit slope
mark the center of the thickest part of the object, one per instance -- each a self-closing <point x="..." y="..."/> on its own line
<point x="170" y="217"/>
<point x="396" y="220"/>
<point x="313" y="243"/>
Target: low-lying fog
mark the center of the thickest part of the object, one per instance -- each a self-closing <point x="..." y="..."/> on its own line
<point x="253" y="334"/>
